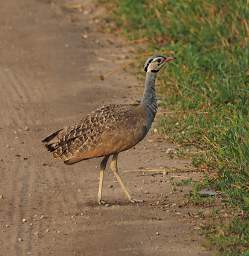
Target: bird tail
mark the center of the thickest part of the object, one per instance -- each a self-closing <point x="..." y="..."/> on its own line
<point x="51" y="141"/>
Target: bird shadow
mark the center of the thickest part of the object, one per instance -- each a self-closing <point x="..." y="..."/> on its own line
<point x="112" y="204"/>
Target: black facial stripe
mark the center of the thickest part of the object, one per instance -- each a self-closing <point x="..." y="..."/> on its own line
<point x="146" y="68"/>
<point x="154" y="71"/>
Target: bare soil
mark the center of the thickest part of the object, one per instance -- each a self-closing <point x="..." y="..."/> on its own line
<point x="55" y="67"/>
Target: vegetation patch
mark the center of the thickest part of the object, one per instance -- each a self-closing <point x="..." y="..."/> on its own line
<point x="205" y="92"/>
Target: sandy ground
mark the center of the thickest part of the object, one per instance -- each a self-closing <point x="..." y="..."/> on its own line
<point x="51" y="65"/>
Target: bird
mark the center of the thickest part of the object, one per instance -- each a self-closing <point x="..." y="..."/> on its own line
<point x="109" y="130"/>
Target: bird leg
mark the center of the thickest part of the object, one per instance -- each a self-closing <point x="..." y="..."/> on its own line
<point x="101" y="178"/>
<point x="114" y="168"/>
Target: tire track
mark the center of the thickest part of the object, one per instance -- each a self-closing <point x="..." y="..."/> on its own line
<point x="23" y="205"/>
<point x="17" y="94"/>
<point x="30" y="84"/>
<point x="14" y="113"/>
<point x="6" y="118"/>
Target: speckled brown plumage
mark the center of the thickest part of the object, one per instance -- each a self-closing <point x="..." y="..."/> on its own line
<point x="105" y="131"/>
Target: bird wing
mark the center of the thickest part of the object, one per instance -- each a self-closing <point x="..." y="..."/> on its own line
<point x="109" y="129"/>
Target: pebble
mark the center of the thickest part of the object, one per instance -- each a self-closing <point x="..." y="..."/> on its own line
<point x="157" y="233"/>
<point x="20" y="239"/>
<point x="24" y="220"/>
<point x="207" y="192"/>
<point x="85" y="36"/>
<point x="1" y="196"/>
<point x="170" y="151"/>
<point x="26" y="128"/>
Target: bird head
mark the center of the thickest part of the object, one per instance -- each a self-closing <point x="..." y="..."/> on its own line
<point x="155" y="63"/>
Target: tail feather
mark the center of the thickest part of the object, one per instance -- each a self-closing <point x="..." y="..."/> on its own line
<point x="51" y="136"/>
<point x="51" y="142"/>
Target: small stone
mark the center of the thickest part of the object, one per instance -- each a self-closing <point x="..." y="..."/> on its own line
<point x="170" y="151"/>
<point x="1" y="196"/>
<point x="84" y="36"/>
<point x="207" y="192"/>
<point x="24" y="220"/>
<point x="47" y="230"/>
<point x="20" y="239"/>
<point x="157" y="233"/>
<point x="110" y="186"/>
<point x="36" y="233"/>
<point x="26" y="128"/>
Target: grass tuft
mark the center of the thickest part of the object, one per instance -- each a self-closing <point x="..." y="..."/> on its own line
<point x="206" y="91"/>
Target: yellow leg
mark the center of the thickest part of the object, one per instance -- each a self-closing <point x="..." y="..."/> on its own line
<point x="101" y="178"/>
<point x="114" y="168"/>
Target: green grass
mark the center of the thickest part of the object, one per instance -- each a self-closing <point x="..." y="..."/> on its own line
<point x="206" y="91"/>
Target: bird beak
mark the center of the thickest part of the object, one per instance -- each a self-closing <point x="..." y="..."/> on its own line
<point x="168" y="59"/>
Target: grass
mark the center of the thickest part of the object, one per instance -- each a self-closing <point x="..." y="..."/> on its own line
<point x="206" y="91"/>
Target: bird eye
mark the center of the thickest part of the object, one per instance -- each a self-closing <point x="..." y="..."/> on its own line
<point x="159" y="60"/>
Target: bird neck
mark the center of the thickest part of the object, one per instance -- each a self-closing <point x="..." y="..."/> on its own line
<point x="149" y="99"/>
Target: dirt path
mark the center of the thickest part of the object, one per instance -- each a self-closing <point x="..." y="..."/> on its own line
<point x="50" y="67"/>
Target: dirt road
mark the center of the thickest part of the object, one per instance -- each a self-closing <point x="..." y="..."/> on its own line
<point x="50" y="68"/>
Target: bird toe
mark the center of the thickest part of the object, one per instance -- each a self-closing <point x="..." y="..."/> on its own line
<point x="133" y="200"/>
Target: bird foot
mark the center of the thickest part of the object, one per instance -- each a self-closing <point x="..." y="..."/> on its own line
<point x="101" y="202"/>
<point x="133" y="200"/>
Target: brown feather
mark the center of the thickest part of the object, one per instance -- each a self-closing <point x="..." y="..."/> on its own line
<point x="107" y="130"/>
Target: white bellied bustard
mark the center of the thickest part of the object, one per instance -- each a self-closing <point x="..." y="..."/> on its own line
<point x="110" y="129"/>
